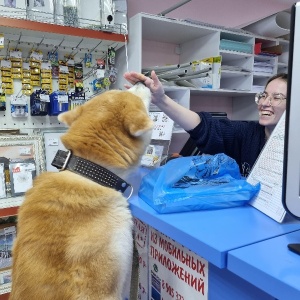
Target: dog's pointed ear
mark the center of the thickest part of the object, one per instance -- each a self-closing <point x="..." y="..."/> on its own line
<point x="70" y="116"/>
<point x="138" y="122"/>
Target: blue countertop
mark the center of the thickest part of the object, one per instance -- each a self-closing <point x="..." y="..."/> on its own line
<point x="270" y="266"/>
<point x="212" y="234"/>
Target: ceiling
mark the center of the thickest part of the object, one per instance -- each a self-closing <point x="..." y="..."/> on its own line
<point x="229" y="13"/>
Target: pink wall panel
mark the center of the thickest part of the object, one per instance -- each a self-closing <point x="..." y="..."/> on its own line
<point x="164" y="54"/>
<point x="229" y="13"/>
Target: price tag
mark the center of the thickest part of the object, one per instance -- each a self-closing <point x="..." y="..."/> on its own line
<point x="100" y="73"/>
<point x="63" y="98"/>
<point x="53" y="142"/>
<point x="22" y="100"/>
<point x="24" y="151"/>
<point x="44" y="98"/>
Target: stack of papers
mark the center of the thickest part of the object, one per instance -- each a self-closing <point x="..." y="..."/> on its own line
<point x="257" y="88"/>
<point x="263" y="67"/>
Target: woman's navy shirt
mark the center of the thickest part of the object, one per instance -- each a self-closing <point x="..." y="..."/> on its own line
<point x="241" y="140"/>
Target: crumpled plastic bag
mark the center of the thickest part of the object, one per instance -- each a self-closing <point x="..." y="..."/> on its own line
<point x="196" y="183"/>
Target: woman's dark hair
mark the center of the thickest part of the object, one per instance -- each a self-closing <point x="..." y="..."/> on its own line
<point x="282" y="76"/>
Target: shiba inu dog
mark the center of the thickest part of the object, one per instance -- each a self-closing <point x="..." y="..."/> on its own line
<point x="74" y="234"/>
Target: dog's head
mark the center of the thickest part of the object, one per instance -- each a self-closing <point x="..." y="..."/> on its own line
<point x="112" y="129"/>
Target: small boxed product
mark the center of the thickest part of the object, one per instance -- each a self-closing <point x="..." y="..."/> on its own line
<point x="207" y="72"/>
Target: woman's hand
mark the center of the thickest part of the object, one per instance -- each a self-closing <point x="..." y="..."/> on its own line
<point x="153" y="83"/>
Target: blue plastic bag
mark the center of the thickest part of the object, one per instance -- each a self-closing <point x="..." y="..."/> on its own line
<point x="196" y="183"/>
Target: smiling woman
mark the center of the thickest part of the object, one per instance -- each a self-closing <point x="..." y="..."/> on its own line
<point x="242" y="141"/>
<point x="272" y="102"/>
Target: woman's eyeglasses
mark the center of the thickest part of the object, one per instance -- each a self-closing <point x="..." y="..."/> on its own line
<point x="274" y="100"/>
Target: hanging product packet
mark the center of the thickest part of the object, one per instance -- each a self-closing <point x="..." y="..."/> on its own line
<point x="196" y="183"/>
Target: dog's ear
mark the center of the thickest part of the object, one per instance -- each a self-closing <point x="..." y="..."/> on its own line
<point x="137" y="123"/>
<point x="70" y="116"/>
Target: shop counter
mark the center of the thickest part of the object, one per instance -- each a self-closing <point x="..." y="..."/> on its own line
<point x="211" y="234"/>
<point x="270" y="265"/>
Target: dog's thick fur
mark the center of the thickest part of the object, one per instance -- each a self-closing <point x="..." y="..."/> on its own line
<point x="74" y="237"/>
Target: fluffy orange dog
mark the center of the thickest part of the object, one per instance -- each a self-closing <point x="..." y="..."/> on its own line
<point x="74" y="238"/>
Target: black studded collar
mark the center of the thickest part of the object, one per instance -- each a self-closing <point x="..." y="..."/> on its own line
<point x="65" y="160"/>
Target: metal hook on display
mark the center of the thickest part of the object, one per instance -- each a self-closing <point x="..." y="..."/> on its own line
<point x="7" y="50"/>
<point x="93" y="49"/>
<point x="29" y="52"/>
<point x="18" y="93"/>
<point x="39" y="44"/>
<point x="19" y="39"/>
<point x="57" y="46"/>
<point x="166" y="11"/>
<point x="74" y="48"/>
<point x="33" y="47"/>
<point x="89" y="74"/>
<point x="79" y="44"/>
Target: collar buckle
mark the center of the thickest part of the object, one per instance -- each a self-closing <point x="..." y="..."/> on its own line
<point x="66" y="161"/>
<point x="61" y="159"/>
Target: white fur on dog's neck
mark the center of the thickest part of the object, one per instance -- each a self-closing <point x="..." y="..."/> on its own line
<point x="140" y="90"/>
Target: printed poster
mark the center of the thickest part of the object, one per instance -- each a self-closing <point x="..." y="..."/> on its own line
<point x="142" y="244"/>
<point x="168" y="270"/>
<point x="174" y="271"/>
